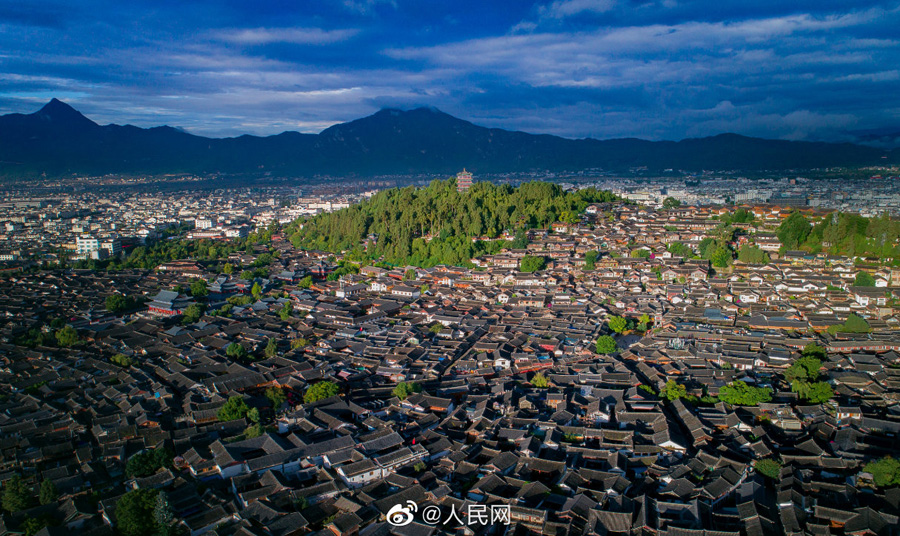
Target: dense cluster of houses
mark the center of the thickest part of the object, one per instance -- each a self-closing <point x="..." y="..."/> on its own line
<point x="595" y="451"/>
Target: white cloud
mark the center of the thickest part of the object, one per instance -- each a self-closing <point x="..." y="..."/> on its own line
<point x="366" y="7"/>
<point x="561" y="9"/>
<point x="303" y="36"/>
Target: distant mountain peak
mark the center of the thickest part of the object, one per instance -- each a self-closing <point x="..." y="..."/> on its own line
<point x="59" y="140"/>
<point x="392" y="110"/>
<point x="56" y="111"/>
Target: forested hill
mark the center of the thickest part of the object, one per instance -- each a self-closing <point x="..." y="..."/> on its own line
<point x="58" y="140"/>
<point x="436" y="224"/>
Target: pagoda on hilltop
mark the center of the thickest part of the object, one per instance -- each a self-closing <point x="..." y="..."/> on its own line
<point x="463" y="181"/>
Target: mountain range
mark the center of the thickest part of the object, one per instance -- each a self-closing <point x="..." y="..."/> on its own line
<point x="58" y="140"/>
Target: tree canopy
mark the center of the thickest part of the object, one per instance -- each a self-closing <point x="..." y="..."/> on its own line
<point x="618" y="324"/>
<point x="853" y="324"/>
<point x="806" y="369"/>
<point x="48" y="492"/>
<point x="67" y="337"/>
<point x="198" y="288"/>
<point x="404" y="389"/>
<point x="540" y="381"/>
<point x="793" y="230"/>
<point x="320" y="391"/>
<point x="673" y="391"/>
<point x="276" y="396"/>
<point x="234" y="408"/>
<point x="671" y="202"/>
<point x="134" y="512"/>
<point x="436" y="224"/>
<point x="148" y="462"/>
<point x="122" y="360"/>
<point x="117" y="303"/>
<point x="813" y="392"/>
<point x="532" y="263"/>
<point x="753" y="255"/>
<point x="739" y="393"/>
<point x="192" y="313"/>
<point x="864" y="279"/>
<point x="768" y="467"/>
<point x="606" y="345"/>
<point x="16" y="495"/>
<point x="236" y="351"/>
<point x="679" y="249"/>
<point x="885" y="471"/>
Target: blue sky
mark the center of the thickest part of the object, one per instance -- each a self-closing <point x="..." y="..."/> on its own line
<point x="670" y="69"/>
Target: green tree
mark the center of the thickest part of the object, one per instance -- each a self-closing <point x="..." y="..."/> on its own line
<point x="306" y="282"/>
<point x="814" y="350"/>
<point x="253" y="415"/>
<point x="48" y="492"/>
<point x="410" y="274"/>
<point x="853" y="324"/>
<point x="805" y="368"/>
<point x="794" y="230"/>
<point x="67" y="337"/>
<point x="618" y="324"/>
<point x="276" y="397"/>
<point x="256" y="290"/>
<point x="540" y="381"/>
<point x="286" y="310"/>
<point x="233" y="409"/>
<point x="192" y="313"/>
<point x="673" y="391"/>
<point x="590" y="260"/>
<point x="199" y="289"/>
<point x="679" y="249"/>
<point x="228" y="269"/>
<point x="753" y="255"/>
<point x="115" y="303"/>
<point x="404" y="389"/>
<point x="885" y="471"/>
<point x="813" y="392"/>
<point x="271" y="348"/>
<point x="254" y="430"/>
<point x="134" y="512"/>
<point x="419" y="467"/>
<point x="236" y="351"/>
<point x="768" y="467"/>
<point x="643" y="322"/>
<point x="671" y="202"/>
<point x="532" y="263"/>
<point x="436" y="224"/>
<point x="856" y="324"/>
<point x="16" y="495"/>
<point x="721" y="257"/>
<point x="32" y="525"/>
<point x="148" y="462"/>
<point x="864" y="279"/>
<point x="162" y="457"/>
<point x="122" y="360"/>
<point x="320" y="391"/>
<point x="606" y="345"/>
<point x="739" y="393"/>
